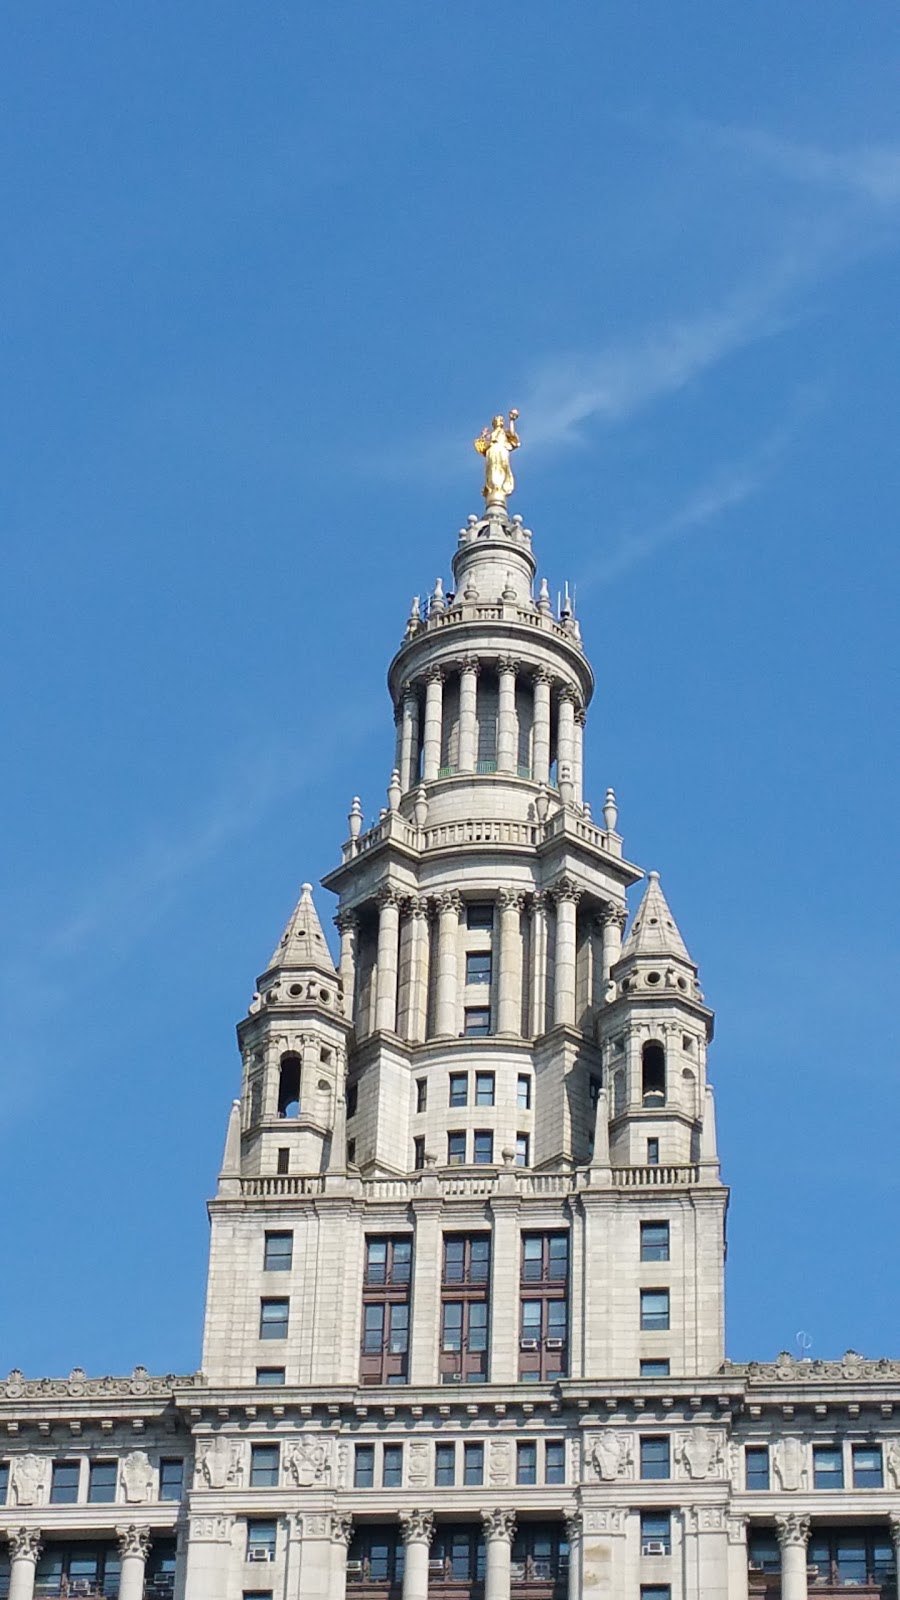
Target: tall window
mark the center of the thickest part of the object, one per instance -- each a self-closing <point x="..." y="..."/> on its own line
<point x="64" y="1483"/>
<point x="828" y="1466"/>
<point x="756" y="1464"/>
<point x="376" y="1557"/>
<point x="279" y="1252"/>
<point x="653" y="1152"/>
<point x="483" y="1147"/>
<point x="540" y="1556"/>
<point x="526" y="1461"/>
<point x="478" y="966"/>
<point x="445" y="1465"/>
<point x="655" y="1456"/>
<point x="851" y="1558"/>
<point x="384" y="1357"/>
<point x="264" y="1462"/>
<point x="289" y="1086"/>
<point x="555" y="1461"/>
<point x="653" y="1075"/>
<point x="654" y="1310"/>
<point x="102" y="1482"/>
<point x="456" y="1148"/>
<point x="364" y="1467"/>
<point x="465" y="1304"/>
<point x="419" y="1153"/>
<point x="868" y="1472"/>
<point x="171" y="1479"/>
<point x="523" y="1091"/>
<point x="273" y="1319"/>
<point x="457" y="1556"/>
<point x="484" y="1088"/>
<point x="473" y="1464"/>
<point x="543" y="1307"/>
<point x="656" y="1533"/>
<point x="522" y="1149"/>
<point x="421" y="1094"/>
<point x="392" y="1467"/>
<point x="654" y="1241"/>
<point x="261" y="1536"/>
<point x="459" y="1088"/>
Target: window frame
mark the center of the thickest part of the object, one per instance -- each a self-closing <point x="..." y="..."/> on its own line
<point x="473" y="1463"/>
<point x="658" y="1320"/>
<point x="821" y="1474"/>
<point x="659" y="1250"/>
<point x="661" y="1444"/>
<point x="269" y="1324"/>
<point x="526" y="1474"/>
<point x="110" y="1466"/>
<point x="363" y="1465"/>
<point x="757" y="1466"/>
<point x="264" y="1472"/>
<point x="65" y="1465"/>
<point x="278" y="1260"/>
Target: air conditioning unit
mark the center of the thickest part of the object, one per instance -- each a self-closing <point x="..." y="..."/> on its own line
<point x="755" y="1566"/>
<point x="354" y="1569"/>
<point x="654" y="1547"/>
<point x="258" y="1553"/>
<point x="529" y="1344"/>
<point x="436" y="1566"/>
<point x="554" y="1344"/>
<point x="541" y="1569"/>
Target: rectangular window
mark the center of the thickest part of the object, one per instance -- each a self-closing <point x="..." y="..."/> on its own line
<point x="828" y="1467"/>
<point x="352" y="1099"/>
<point x="543" y="1302"/>
<point x="171" y="1479"/>
<point x="456" y="1148"/>
<point x="654" y="1241"/>
<point x="526" y="1462"/>
<point x="264" y="1461"/>
<point x="484" y="1147"/>
<point x="459" y="1088"/>
<point x="477" y="1021"/>
<point x="655" y="1456"/>
<point x="868" y="1472"/>
<point x="102" y="1482"/>
<point x="484" y="1088"/>
<point x="478" y="966"/>
<point x="385" y="1314"/>
<point x="554" y="1461"/>
<point x="656" y="1533"/>
<point x="653" y="1152"/>
<point x="523" y="1091"/>
<point x="654" y="1369"/>
<point x="283" y="1162"/>
<point x="465" y="1289"/>
<point x="656" y="1591"/>
<point x="364" y="1467"/>
<point x="279" y="1252"/>
<point x="480" y="914"/>
<point x="273" y="1319"/>
<point x="351" y="1152"/>
<point x="256" y="1594"/>
<point x="522" y="1145"/>
<point x="756" y="1466"/>
<point x="421" y="1093"/>
<point x="392" y="1467"/>
<point x="445" y="1465"/>
<point x="419" y="1154"/>
<point x="473" y="1464"/>
<point x="594" y="1087"/>
<point x="4" y="1481"/>
<point x="260" y="1539"/>
<point x="654" y="1310"/>
<point x="64" y="1483"/>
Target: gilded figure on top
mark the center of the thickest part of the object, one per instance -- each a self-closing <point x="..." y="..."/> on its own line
<point x="496" y="443"/>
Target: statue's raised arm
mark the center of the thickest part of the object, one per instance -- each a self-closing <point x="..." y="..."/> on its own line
<point x="496" y="444"/>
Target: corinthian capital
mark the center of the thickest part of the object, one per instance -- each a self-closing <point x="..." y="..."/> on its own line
<point x="508" y="664"/>
<point x="510" y="900"/>
<point x="448" y="900"/>
<point x="470" y="664"/>
<point x="565" y="889"/>
<point x="347" y="921"/>
<point x="498" y="1523"/>
<point x="613" y="917"/>
<point x="434" y="675"/>
<point x="341" y="1528"/>
<point x="24" y="1542"/>
<point x="416" y="1527"/>
<point x="133" y="1541"/>
<point x="792" y="1529"/>
<point x="386" y="896"/>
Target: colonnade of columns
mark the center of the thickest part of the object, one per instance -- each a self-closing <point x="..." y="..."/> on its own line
<point x="25" y="1550"/>
<point x="430" y="735"/>
<point x="499" y="1527"/>
<point x="561" y="901"/>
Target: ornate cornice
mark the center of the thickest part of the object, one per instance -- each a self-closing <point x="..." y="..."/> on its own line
<point x="78" y="1385"/>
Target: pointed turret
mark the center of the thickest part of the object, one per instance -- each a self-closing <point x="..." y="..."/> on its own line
<point x="654" y="931"/>
<point x="303" y="943"/>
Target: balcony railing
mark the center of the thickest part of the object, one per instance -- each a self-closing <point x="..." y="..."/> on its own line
<point x="472" y="1185"/>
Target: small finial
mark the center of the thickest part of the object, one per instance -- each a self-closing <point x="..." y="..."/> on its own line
<point x="437" y="602"/>
<point x="394" y="791"/>
<point x="470" y="592"/>
<point x="586" y="809"/>
<point x="420" y="809"/>
<point x="544" y="603"/>
<point x="306" y="891"/>
<point x="355" y="818"/>
<point x="565" y="610"/>
<point x="610" y="811"/>
<point x="509" y="592"/>
<point x="542" y="803"/>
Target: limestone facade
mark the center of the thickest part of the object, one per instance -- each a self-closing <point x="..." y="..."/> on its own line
<point x="465" y="1317"/>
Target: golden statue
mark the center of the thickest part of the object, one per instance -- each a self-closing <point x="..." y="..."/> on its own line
<point x="495" y="444"/>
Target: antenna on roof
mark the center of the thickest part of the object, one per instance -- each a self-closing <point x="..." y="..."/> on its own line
<point x="804" y="1345"/>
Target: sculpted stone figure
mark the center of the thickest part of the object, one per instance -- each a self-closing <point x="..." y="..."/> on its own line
<point x="495" y="444"/>
<point x="137" y="1477"/>
<point x="27" y="1475"/>
<point x="218" y="1466"/>
<point x="790" y="1460"/>
<point x="308" y="1462"/>
<point x="700" y="1453"/>
<point x="892" y="1462"/>
<point x="610" y="1456"/>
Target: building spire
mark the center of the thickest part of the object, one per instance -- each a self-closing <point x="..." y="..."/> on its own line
<point x="303" y="943"/>
<point x="654" y="931"/>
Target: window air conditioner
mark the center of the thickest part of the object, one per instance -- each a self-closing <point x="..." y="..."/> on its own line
<point x="436" y="1566"/>
<point x="259" y="1553"/>
<point x="756" y="1566"/>
<point x="354" y="1568"/>
<point x="541" y="1569"/>
<point x="654" y="1547"/>
<point x="554" y="1344"/>
<point x="529" y="1344"/>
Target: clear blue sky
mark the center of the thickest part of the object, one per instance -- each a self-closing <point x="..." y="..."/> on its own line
<point x="266" y="270"/>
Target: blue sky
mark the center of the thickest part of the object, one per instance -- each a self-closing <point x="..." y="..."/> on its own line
<point x="266" y="271"/>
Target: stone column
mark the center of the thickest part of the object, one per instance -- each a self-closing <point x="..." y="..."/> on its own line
<point x="793" y="1532"/>
<point x="738" y="1570"/>
<point x="446" y="1020"/>
<point x="468" y="714"/>
<point x="612" y="926"/>
<point x="578" y="755"/>
<point x="417" y="1528"/>
<point x="507" y="721"/>
<point x="509" y="1004"/>
<point x="566" y="896"/>
<point x="434" y="707"/>
<point x="538" y="963"/>
<point x="573" y="1534"/>
<point x="895" y="1535"/>
<point x="24" y="1550"/>
<point x="409" y="738"/>
<point x="417" y="1020"/>
<point x="386" y="963"/>
<point x="347" y="924"/>
<point x="499" y="1529"/>
<point x="341" y="1538"/>
<point x="541" y="730"/>
<point x="565" y="738"/>
<point x="134" y="1548"/>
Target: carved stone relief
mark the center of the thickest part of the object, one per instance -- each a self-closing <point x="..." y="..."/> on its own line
<point x="606" y="1519"/>
<point x="219" y="1464"/>
<point x="500" y="1461"/>
<point x="28" y="1480"/>
<point x="700" y="1453"/>
<point x="789" y="1459"/>
<point x="417" y="1467"/>
<point x="892" y="1461"/>
<point x="308" y="1462"/>
<point x="137" y="1478"/>
<point x="611" y="1455"/>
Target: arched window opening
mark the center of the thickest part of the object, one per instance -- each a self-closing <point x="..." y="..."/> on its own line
<point x="653" y="1075"/>
<point x="289" y="1087"/>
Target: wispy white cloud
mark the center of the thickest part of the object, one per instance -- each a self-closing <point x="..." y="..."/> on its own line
<point x="868" y="172"/>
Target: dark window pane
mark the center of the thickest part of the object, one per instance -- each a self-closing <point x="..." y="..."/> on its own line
<point x="484" y="1088"/>
<point x="477" y="1021"/>
<point x="102" y="1482"/>
<point x="279" y="1252"/>
<point x="456" y="1149"/>
<point x="392" y="1466"/>
<point x="757" y="1464"/>
<point x="654" y="1241"/>
<point x="526" y="1463"/>
<point x="478" y="966"/>
<point x="264" y="1460"/>
<point x="273" y="1319"/>
<point x="171" y="1480"/>
<point x="64" y="1483"/>
<point x="655" y="1456"/>
<point x="654" y="1369"/>
<point x="459" y="1088"/>
<point x="364" y="1466"/>
<point x="484" y="1148"/>
<point x="480" y="915"/>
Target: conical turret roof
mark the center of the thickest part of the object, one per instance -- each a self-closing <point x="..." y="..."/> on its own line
<point x="654" y="931"/>
<point x="303" y="943"/>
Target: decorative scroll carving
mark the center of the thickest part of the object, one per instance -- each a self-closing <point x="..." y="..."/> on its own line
<point x="789" y="1460"/>
<point x="499" y="1523"/>
<point x="737" y="1530"/>
<point x="574" y="1525"/>
<point x="308" y="1462"/>
<point x="341" y="1528"/>
<point x="416" y="1527"/>
<point x="313" y="1527"/>
<point x="500" y="1461"/>
<point x="791" y="1529"/>
<point x="18" y="1387"/>
<point x="418" y="1464"/>
<point x="790" y="1369"/>
<point x="700" y="1453"/>
<point x="608" y="1519"/>
<point x="133" y="1541"/>
<point x="24" y="1544"/>
<point x="611" y="1455"/>
<point x="565" y="889"/>
<point x="137" y="1478"/>
<point x="211" y="1530"/>
<point x="27" y="1480"/>
<point x="219" y="1464"/>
